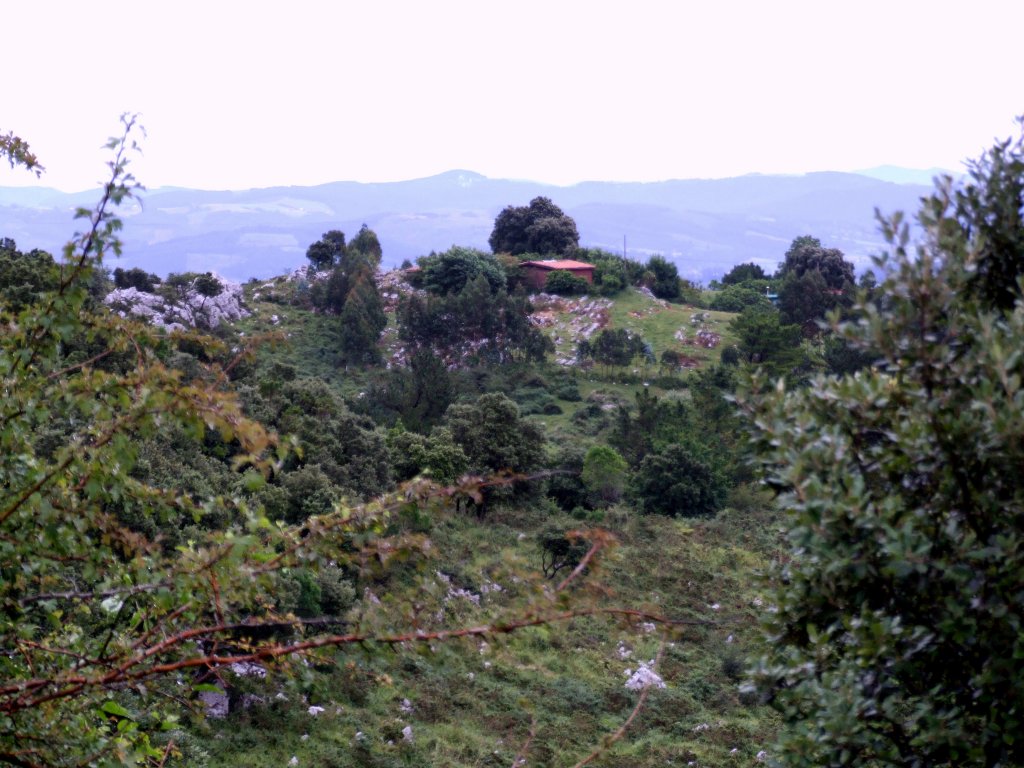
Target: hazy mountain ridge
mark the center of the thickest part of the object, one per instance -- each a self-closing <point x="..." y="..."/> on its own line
<point x="704" y="225"/>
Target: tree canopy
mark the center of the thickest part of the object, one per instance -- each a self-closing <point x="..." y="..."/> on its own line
<point x="815" y="281"/>
<point x="540" y="227"/>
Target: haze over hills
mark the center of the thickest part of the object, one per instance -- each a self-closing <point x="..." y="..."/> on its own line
<point x="704" y="225"/>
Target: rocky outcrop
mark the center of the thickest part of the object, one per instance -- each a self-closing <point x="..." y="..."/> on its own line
<point x="178" y="308"/>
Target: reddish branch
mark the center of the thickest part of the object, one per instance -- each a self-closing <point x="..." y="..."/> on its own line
<point x="135" y="668"/>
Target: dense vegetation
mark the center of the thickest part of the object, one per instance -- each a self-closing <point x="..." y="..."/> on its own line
<point x="428" y="518"/>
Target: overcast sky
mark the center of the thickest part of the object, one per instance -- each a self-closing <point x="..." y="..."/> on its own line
<point x="252" y="94"/>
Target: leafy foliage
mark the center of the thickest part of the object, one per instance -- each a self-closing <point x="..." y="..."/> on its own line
<point x="449" y="272"/>
<point x="24" y="276"/>
<point x="815" y="281"/>
<point x="136" y="278"/>
<point x="764" y="340"/>
<point x="679" y="481"/>
<point x="17" y="152"/>
<point x="604" y="474"/>
<point x="326" y="252"/>
<point x="473" y="325"/>
<point x="665" y="283"/>
<point x="990" y="210"/>
<point x="494" y="436"/>
<point x="897" y="638"/>
<point x="612" y="346"/>
<point x="741" y="273"/>
<point x="350" y="290"/>
<point x="540" y="227"/>
<point x="561" y="282"/>
<point x="737" y="297"/>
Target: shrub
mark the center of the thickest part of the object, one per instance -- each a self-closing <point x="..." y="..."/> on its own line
<point x="564" y="283"/>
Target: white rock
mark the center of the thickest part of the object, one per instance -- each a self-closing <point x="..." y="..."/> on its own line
<point x="644" y="677"/>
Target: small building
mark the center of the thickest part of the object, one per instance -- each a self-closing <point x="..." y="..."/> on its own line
<point x="536" y="272"/>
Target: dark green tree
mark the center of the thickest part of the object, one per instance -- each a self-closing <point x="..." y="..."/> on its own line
<point x="362" y="320"/>
<point x="736" y="298"/>
<point x="604" y="474"/>
<point x="495" y="436"/>
<point x="367" y="244"/>
<point x="679" y="481"/>
<point x="326" y="252"/>
<point x="897" y="634"/>
<point x="666" y="278"/>
<point x="741" y="273"/>
<point x="448" y="272"/>
<point x="764" y="340"/>
<point x="990" y="210"/>
<point x="815" y="281"/>
<point x="541" y="227"/>
<point x="135" y="278"/>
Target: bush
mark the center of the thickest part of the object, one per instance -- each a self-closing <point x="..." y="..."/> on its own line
<point x="680" y="482"/>
<point x="561" y="282"/>
<point x="897" y="629"/>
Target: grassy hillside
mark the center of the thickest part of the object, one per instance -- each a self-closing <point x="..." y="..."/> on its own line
<point x="475" y="703"/>
<point x="547" y="695"/>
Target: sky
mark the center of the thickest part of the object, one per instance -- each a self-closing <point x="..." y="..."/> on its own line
<point x="236" y="95"/>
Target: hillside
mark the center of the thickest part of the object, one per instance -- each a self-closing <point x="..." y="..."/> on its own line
<point x="547" y="696"/>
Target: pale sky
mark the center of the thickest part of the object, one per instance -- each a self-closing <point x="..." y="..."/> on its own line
<point x="254" y="94"/>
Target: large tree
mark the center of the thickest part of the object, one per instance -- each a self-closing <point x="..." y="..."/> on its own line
<point x="326" y="252"/>
<point x="897" y="629"/>
<point x="540" y="227"/>
<point x="815" y="281"/>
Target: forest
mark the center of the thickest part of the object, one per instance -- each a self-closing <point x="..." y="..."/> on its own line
<point x="433" y="516"/>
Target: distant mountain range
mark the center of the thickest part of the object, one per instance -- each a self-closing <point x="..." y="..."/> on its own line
<point x="704" y="225"/>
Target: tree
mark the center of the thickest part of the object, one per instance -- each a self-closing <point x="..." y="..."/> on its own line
<point x="495" y="436"/>
<point x="744" y="272"/>
<point x="736" y="298"/>
<point x="326" y="252"/>
<point x="815" y="281"/>
<point x="541" y="227"/>
<point x="896" y="634"/>
<point x="24" y="276"/>
<point x="666" y="278"/>
<point x="680" y="482"/>
<point x="604" y="474"/>
<point x="367" y="244"/>
<point x="135" y="278"/>
<point x="449" y="272"/>
<point x="362" y="319"/>
<point x="612" y="346"/>
<point x="763" y="340"/>
<point x="990" y="210"/>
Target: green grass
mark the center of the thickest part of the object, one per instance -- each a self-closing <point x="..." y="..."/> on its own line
<point x="473" y="703"/>
<point x="659" y="322"/>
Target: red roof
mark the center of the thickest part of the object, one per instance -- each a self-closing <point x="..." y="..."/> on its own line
<point x="558" y="264"/>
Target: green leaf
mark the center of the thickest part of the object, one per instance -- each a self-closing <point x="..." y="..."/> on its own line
<point x="113" y="708"/>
